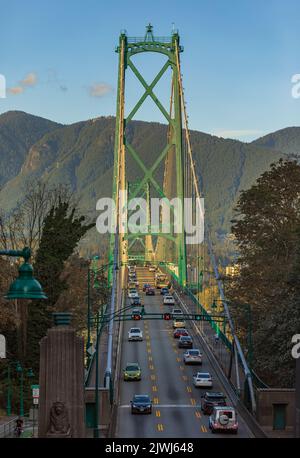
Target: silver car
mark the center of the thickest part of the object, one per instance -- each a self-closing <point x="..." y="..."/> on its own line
<point x="193" y="356"/>
<point x="135" y="334"/>
<point x="223" y="419"/>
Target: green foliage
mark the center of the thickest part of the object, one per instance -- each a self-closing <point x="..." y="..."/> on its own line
<point x="267" y="229"/>
<point x="62" y="231"/>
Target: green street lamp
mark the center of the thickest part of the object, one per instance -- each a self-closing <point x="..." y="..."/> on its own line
<point x="25" y="286"/>
<point x="29" y="374"/>
<point x="19" y="369"/>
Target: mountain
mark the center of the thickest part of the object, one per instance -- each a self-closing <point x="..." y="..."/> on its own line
<point x="18" y="132"/>
<point x="81" y="155"/>
<point x="285" y="140"/>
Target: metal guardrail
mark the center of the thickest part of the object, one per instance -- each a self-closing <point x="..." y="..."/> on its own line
<point x="7" y="429"/>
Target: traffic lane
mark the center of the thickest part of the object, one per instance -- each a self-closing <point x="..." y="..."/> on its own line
<point x="177" y="414"/>
<point x="187" y="372"/>
<point x="217" y="385"/>
<point x="129" y="425"/>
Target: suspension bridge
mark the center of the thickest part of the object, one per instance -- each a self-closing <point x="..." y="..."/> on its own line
<point x="191" y="269"/>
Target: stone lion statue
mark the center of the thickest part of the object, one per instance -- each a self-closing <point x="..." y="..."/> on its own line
<point x="59" y="420"/>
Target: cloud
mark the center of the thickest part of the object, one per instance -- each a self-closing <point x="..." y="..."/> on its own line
<point x="238" y="133"/>
<point x="99" y="89"/>
<point x="29" y="80"/>
<point x="16" y="90"/>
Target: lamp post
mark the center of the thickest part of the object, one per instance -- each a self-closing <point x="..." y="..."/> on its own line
<point x="20" y="371"/>
<point x="89" y="304"/>
<point x="25" y="286"/>
<point x="8" y="403"/>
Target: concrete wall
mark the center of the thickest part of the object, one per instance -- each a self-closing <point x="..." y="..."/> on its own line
<point x="266" y="399"/>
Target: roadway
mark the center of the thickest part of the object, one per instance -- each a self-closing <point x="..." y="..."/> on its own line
<point x="176" y="402"/>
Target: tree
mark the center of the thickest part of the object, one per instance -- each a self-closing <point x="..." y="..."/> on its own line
<point x="23" y="226"/>
<point x="267" y="230"/>
<point x="62" y="230"/>
<point x="74" y="297"/>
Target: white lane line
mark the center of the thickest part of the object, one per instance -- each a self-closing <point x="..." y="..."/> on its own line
<point x="167" y="406"/>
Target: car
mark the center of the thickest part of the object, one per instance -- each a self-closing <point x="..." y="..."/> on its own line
<point x="132" y="293"/>
<point x="132" y="285"/>
<point x="169" y="300"/>
<point x="131" y="269"/>
<point x="176" y="312"/>
<point x="141" y="403"/>
<point x="135" y="334"/>
<point x="164" y="291"/>
<point x="136" y="301"/>
<point x="132" y="371"/>
<point x="145" y="286"/>
<point x="211" y="400"/>
<point x="132" y="276"/>
<point x="193" y="356"/>
<point x="178" y="323"/>
<point x="223" y="419"/>
<point x="136" y="314"/>
<point x="180" y="332"/>
<point x="185" y="342"/>
<point x="150" y="291"/>
<point x="202" y="380"/>
<point x="152" y="269"/>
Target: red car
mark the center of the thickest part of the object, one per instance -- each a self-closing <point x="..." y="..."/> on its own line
<point x="180" y="332"/>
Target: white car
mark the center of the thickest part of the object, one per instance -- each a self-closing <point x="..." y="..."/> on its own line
<point x="223" y="419"/>
<point x="132" y="293"/>
<point x="152" y="269"/>
<point x="169" y="300"/>
<point x="193" y="356"/>
<point x="202" y="379"/>
<point x="135" y="334"/>
<point x="176" y="312"/>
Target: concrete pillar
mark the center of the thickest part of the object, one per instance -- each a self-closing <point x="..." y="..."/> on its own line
<point x="61" y="403"/>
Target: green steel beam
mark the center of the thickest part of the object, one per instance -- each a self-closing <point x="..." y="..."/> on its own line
<point x="129" y="47"/>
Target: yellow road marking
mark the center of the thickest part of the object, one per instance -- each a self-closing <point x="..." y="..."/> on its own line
<point x="148" y="344"/>
<point x="150" y="358"/>
<point x="203" y="429"/>
<point x="176" y="351"/>
<point x="178" y="360"/>
<point x="151" y="367"/>
<point x="198" y="414"/>
<point x="155" y="400"/>
<point x="149" y="350"/>
<point x="157" y="413"/>
<point x="193" y="401"/>
<point x="160" y="427"/>
<point x="184" y="377"/>
<point x="181" y="368"/>
<point x="154" y="388"/>
<point x="153" y="377"/>
<point x="188" y="389"/>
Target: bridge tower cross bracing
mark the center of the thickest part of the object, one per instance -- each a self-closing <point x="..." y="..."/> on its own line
<point x="172" y="155"/>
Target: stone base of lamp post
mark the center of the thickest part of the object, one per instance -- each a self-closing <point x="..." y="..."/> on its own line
<point x="61" y="403"/>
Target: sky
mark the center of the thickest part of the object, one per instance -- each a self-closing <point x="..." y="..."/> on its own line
<point x="59" y="62"/>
